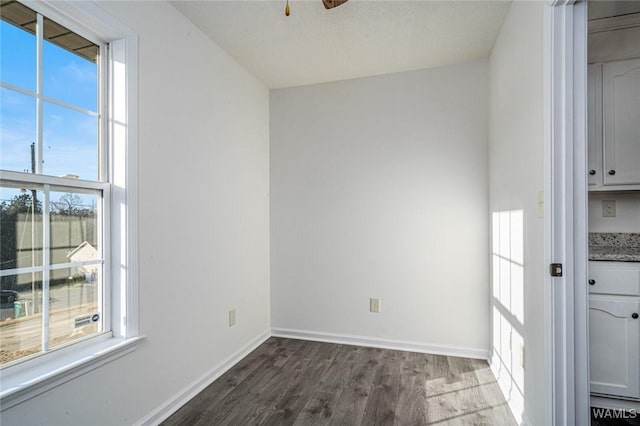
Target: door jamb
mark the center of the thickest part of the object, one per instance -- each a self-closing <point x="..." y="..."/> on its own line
<point x="566" y="298"/>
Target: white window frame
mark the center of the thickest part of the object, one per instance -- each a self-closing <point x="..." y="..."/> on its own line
<point x="32" y="377"/>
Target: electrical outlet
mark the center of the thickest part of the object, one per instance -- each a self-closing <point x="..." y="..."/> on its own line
<point x="232" y="317"/>
<point x="608" y="208"/>
<point x="374" y="304"/>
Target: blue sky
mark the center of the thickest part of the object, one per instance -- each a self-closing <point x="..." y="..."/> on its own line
<point x="69" y="137"/>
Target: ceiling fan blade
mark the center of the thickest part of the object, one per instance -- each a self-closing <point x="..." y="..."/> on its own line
<point x="330" y="4"/>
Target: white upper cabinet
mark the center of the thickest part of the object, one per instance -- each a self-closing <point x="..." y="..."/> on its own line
<point x="621" y="122"/>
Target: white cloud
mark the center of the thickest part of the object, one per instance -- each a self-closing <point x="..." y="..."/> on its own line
<point x="82" y="74"/>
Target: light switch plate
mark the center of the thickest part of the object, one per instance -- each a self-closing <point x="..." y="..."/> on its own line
<point x="540" y="204"/>
<point x="374" y="304"/>
<point x="232" y="317"/>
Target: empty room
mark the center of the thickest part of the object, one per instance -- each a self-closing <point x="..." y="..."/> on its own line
<point x="319" y="212"/>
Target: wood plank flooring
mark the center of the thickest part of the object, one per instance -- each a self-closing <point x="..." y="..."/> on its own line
<point x="296" y="382"/>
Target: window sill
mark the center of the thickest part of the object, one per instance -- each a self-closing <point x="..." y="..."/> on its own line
<point x="19" y="386"/>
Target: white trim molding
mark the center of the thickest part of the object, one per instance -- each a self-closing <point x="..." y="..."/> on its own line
<point x="614" y="23"/>
<point x="19" y="386"/>
<point x="378" y="342"/>
<point x="615" y="403"/>
<point x="566" y="209"/>
<point x="170" y="406"/>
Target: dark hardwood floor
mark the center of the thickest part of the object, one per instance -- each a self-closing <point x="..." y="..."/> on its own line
<point x="296" y="382"/>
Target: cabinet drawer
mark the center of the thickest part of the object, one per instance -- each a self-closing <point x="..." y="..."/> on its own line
<point x="614" y="278"/>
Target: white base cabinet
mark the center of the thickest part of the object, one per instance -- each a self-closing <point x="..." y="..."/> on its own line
<point x="614" y="328"/>
<point x="614" y="341"/>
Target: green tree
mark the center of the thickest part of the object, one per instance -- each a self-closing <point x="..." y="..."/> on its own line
<point x="71" y="205"/>
<point x="20" y="204"/>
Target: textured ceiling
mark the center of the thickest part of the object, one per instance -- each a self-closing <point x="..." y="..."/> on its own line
<point x="357" y="39"/>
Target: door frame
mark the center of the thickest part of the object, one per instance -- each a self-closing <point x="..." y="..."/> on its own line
<point x="566" y="227"/>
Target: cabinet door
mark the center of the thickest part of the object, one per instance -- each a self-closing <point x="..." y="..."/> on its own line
<point x="621" y="95"/>
<point x="594" y="120"/>
<point x="614" y="345"/>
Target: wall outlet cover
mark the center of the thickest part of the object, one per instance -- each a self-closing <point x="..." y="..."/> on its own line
<point x="608" y="208"/>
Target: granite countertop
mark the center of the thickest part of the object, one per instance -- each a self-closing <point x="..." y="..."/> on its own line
<point x="619" y="247"/>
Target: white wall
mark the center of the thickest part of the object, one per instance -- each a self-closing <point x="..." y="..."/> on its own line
<point x="379" y="189"/>
<point x="627" y="212"/>
<point x="204" y="218"/>
<point x="516" y="167"/>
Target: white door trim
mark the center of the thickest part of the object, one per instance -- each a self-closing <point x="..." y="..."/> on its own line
<point x="566" y="209"/>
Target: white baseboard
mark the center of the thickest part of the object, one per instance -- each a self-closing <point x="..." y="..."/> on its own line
<point x="376" y="342"/>
<point x="171" y="405"/>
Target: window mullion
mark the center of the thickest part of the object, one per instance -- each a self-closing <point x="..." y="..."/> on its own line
<point x="103" y="112"/>
<point x="38" y="169"/>
<point x="103" y="304"/>
<point x="34" y="205"/>
<point x="46" y="273"/>
<point x="39" y="116"/>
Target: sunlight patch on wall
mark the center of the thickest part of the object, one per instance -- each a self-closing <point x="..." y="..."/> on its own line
<point x="508" y="354"/>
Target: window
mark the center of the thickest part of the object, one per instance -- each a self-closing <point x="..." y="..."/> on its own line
<point x="52" y="230"/>
<point x="67" y="193"/>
